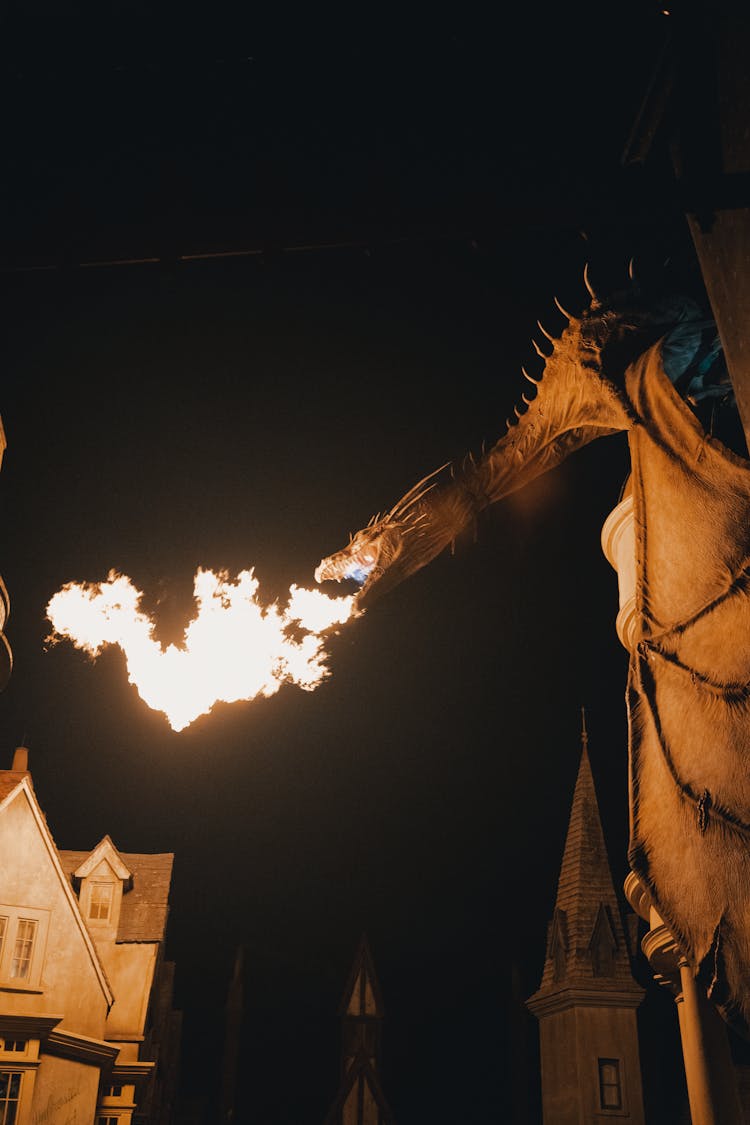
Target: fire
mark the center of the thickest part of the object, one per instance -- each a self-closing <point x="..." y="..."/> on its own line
<point x="235" y="648"/>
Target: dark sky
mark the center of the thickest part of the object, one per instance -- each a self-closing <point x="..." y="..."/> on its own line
<point x="252" y="411"/>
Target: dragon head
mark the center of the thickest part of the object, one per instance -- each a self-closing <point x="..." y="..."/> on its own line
<point x="579" y="396"/>
<point x="391" y="546"/>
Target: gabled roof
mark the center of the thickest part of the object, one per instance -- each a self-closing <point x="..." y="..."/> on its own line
<point x="144" y="910"/>
<point x="9" y="779"/>
<point x="104" y="850"/>
<point x="11" y="789"/>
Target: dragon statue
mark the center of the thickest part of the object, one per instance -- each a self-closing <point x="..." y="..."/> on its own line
<point x="654" y="369"/>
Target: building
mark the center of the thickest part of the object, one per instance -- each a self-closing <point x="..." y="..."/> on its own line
<point x="360" y="1099"/>
<point x="6" y="657"/>
<point x="587" y="1001"/>
<point x="87" y="1030"/>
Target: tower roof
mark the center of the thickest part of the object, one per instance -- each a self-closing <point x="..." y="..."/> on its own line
<point x="362" y="996"/>
<point x="360" y="1099"/>
<point x="586" y="945"/>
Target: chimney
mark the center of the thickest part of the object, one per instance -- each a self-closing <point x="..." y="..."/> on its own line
<point x="20" y="760"/>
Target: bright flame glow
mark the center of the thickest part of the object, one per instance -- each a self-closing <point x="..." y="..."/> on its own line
<point x="235" y="648"/>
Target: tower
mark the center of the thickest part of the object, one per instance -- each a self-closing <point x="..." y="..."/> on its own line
<point x="587" y="1000"/>
<point x="360" y="1100"/>
<point x="232" y="1029"/>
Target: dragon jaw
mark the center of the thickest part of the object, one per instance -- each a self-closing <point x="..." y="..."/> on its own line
<point x="579" y="397"/>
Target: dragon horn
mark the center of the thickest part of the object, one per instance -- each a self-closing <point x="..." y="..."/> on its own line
<point x="538" y="350"/>
<point x="536" y="382"/>
<point x="544" y="332"/>
<point x="589" y="287"/>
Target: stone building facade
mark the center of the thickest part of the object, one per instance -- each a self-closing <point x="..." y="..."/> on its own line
<point x="87" y="1029"/>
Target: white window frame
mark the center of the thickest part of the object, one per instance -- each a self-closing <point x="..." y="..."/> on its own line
<point x="16" y="915"/>
<point x="22" y="957"/>
<point x="95" y="887"/>
<point x="618" y="1085"/>
<point x="17" y="1101"/>
<point x="14" y="1046"/>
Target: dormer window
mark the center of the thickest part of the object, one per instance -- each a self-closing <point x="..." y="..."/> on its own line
<point x="101" y="880"/>
<point x="100" y="903"/>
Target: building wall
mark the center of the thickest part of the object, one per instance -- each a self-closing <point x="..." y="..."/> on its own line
<point x="572" y="1043"/>
<point x="559" y="1063"/>
<point x="73" y="1026"/>
<point x="130" y="971"/>
<point x="63" y="978"/>
<point x="65" y="1093"/>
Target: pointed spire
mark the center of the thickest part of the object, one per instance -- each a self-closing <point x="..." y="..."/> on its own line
<point x="360" y="1100"/>
<point x="586" y="941"/>
<point x="362" y="998"/>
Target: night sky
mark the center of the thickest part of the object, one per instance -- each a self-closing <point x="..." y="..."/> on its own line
<point x="447" y="178"/>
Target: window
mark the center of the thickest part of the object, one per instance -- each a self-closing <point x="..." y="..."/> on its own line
<point x="23" y="940"/>
<point x="10" y="1095"/>
<point x="101" y="1121"/>
<point x="610" y="1089"/>
<point x="22" y="950"/>
<point x="100" y="903"/>
<point x="112" y="1092"/>
<point x="18" y="1045"/>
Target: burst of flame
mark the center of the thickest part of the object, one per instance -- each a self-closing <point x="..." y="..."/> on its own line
<point x="235" y="648"/>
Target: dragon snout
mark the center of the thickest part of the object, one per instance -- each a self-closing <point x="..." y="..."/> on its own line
<point x="332" y="568"/>
<point x="354" y="565"/>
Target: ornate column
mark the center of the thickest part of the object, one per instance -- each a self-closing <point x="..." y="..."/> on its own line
<point x="709" y="1070"/>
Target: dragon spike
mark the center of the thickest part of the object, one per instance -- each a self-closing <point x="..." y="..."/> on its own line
<point x="538" y="350"/>
<point x="517" y="412"/>
<point x="528" y="401"/>
<point x="526" y="375"/>
<point x="564" y="311"/>
<point x="589" y="286"/>
<point x="415" y="494"/>
<point x="544" y="332"/>
<point x="631" y="270"/>
<point x="509" y="424"/>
